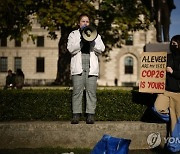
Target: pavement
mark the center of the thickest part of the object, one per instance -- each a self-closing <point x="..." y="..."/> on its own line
<point x="37" y="134"/>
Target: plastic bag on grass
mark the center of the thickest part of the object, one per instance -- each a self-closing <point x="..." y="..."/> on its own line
<point x="111" y="145"/>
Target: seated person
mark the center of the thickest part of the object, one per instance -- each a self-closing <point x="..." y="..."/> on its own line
<point x="10" y="80"/>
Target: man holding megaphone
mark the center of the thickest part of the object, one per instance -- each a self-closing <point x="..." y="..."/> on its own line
<point x="85" y="45"/>
<point x="89" y="33"/>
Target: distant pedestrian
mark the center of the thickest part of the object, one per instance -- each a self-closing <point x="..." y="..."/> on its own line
<point x="10" y="80"/>
<point x="116" y="82"/>
<point x="19" y="79"/>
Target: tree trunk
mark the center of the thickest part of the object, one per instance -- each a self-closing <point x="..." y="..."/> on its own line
<point x="63" y="72"/>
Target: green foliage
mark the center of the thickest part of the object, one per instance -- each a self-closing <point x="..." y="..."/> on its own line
<point x="51" y="14"/>
<point x="118" y="17"/>
<point x="64" y="12"/>
<point x="14" y="17"/>
<point x="112" y="105"/>
<point x="117" y="105"/>
<point x="55" y="14"/>
<point x="35" y="104"/>
<point x="114" y="19"/>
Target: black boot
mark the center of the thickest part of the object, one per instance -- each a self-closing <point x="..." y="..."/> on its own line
<point x="90" y="119"/>
<point x="75" y="119"/>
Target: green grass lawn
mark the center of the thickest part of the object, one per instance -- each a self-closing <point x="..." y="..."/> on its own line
<point x="44" y="151"/>
<point x="74" y="151"/>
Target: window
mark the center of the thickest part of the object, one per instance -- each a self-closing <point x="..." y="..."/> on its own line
<point x="40" y="41"/>
<point x="128" y="84"/>
<point x="4" y="42"/>
<point x="129" y="40"/>
<point x="40" y="64"/>
<point x="17" y="63"/>
<point x="17" y="43"/>
<point x="3" y="64"/>
<point x="128" y="65"/>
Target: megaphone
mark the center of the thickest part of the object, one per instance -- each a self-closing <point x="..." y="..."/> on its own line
<point x="89" y="33"/>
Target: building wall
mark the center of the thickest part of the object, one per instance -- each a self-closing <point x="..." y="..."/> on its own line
<point x="109" y="70"/>
<point x="114" y="68"/>
<point x="28" y="53"/>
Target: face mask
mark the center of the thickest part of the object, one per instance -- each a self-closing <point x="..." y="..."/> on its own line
<point x="175" y="48"/>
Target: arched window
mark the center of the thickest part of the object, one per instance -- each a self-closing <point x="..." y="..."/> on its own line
<point x="128" y="64"/>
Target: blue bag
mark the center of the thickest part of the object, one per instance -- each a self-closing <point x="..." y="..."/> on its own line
<point x="111" y="145"/>
<point x="164" y="117"/>
<point x="173" y="144"/>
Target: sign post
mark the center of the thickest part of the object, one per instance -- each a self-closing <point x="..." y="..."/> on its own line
<point x="153" y="72"/>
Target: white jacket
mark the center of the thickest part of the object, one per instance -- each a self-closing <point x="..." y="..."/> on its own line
<point x="74" y="47"/>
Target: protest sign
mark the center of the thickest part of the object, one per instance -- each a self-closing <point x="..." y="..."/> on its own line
<point x="153" y="72"/>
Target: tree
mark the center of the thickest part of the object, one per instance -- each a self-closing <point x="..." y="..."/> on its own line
<point x="118" y="17"/>
<point x="115" y="19"/>
<point x="14" y="17"/>
<point x="53" y="15"/>
<point x="62" y="15"/>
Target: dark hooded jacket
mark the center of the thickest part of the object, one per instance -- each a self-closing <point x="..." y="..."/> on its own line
<point x="173" y="61"/>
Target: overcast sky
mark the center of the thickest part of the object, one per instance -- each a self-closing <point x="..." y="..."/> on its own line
<point x="175" y="20"/>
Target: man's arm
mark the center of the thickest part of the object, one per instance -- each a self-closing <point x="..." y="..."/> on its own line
<point x="169" y="69"/>
<point x="98" y="46"/>
<point x="73" y="44"/>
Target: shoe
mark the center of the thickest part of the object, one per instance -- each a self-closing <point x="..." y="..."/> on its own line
<point x="75" y="119"/>
<point x="90" y="119"/>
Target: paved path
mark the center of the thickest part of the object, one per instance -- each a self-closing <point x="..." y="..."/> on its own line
<point x="63" y="134"/>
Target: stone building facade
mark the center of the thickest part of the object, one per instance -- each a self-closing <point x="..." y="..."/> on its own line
<point x="124" y="63"/>
<point x="38" y="59"/>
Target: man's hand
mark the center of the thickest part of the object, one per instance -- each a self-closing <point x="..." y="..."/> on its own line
<point x="169" y="69"/>
<point x="82" y="28"/>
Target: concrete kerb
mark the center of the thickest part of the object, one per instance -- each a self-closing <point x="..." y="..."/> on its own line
<point x="63" y="134"/>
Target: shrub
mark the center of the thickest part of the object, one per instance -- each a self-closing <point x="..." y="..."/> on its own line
<point x="112" y="105"/>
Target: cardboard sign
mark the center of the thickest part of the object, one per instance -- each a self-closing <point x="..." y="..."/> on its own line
<point x="153" y="72"/>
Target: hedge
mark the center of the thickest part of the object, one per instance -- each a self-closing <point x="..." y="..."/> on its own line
<point x="48" y="104"/>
